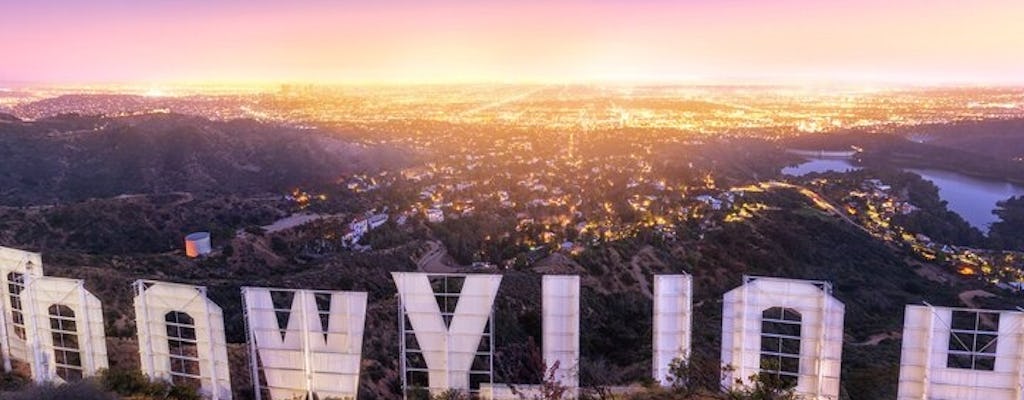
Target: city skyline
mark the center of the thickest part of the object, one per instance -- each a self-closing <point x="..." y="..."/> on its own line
<point x="398" y="42"/>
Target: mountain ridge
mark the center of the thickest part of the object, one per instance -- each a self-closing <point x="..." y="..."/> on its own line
<point x="73" y="157"/>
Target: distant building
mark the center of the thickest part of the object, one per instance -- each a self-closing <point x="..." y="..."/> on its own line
<point x="360" y="226"/>
<point x="715" y="204"/>
<point x="198" y="244"/>
<point x="377" y="220"/>
<point x="435" y="215"/>
<point x="877" y="184"/>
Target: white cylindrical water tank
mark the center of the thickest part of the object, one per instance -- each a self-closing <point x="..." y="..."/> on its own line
<point x="197" y="244"/>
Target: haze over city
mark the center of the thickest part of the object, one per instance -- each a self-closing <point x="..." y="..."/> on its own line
<point x="735" y="41"/>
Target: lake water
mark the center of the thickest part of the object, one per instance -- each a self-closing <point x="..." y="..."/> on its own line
<point x="820" y="165"/>
<point x="972" y="198"/>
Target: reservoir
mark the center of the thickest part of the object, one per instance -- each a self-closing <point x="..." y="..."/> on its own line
<point x="972" y="198"/>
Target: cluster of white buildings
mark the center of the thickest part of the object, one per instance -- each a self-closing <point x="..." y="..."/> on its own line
<point x="308" y="342"/>
<point x="434" y="215"/>
<point x="359" y="227"/>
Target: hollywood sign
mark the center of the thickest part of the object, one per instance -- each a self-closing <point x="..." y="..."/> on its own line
<point x="309" y="342"/>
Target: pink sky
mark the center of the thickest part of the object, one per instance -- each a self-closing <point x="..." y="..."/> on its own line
<point x="157" y="41"/>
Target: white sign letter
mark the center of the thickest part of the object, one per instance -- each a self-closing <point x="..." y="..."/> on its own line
<point x="306" y="358"/>
<point x="561" y="319"/>
<point x="181" y="336"/>
<point x="672" y="322"/>
<point x="447" y="348"/>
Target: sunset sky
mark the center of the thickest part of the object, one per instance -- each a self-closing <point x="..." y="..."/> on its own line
<point x="907" y="41"/>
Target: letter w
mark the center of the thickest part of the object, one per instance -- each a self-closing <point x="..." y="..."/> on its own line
<point x="307" y="358"/>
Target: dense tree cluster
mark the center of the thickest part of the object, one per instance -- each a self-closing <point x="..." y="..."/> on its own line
<point x="1008" y="233"/>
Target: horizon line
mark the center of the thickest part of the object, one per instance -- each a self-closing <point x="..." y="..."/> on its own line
<point x="873" y="82"/>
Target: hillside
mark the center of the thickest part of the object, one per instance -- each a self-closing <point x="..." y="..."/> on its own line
<point x="69" y="158"/>
<point x="874" y="281"/>
<point x="1000" y="139"/>
<point x="991" y="149"/>
<point x="203" y="175"/>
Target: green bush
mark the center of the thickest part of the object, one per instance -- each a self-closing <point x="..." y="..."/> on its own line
<point x="134" y="383"/>
<point x="82" y="390"/>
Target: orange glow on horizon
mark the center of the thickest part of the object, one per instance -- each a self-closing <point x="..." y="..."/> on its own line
<point x="398" y="42"/>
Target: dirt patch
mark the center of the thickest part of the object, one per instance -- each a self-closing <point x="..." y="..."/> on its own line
<point x="931" y="272"/>
<point x="877" y="338"/>
<point x="969" y="296"/>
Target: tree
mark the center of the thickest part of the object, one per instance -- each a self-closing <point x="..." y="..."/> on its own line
<point x="761" y="386"/>
<point x="451" y="394"/>
<point x="81" y="390"/>
<point x="550" y="389"/>
<point x="1008" y="233"/>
